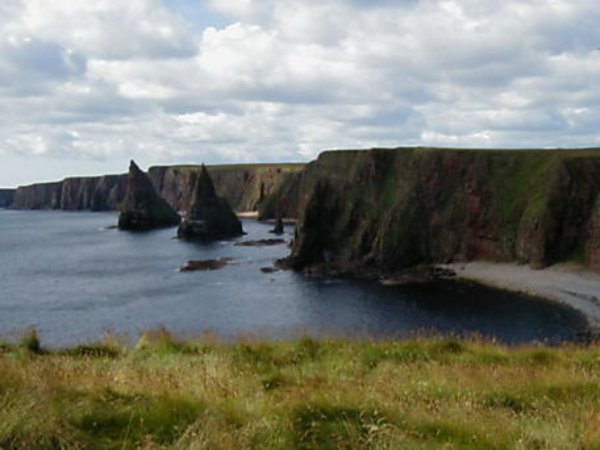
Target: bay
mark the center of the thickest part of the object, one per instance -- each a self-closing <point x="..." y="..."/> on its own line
<point x="74" y="279"/>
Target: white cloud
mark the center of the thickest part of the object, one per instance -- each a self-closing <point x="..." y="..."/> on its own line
<point x="285" y="79"/>
<point x="110" y="29"/>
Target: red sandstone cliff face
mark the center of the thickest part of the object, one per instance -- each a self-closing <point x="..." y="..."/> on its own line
<point x="244" y="187"/>
<point x="391" y="209"/>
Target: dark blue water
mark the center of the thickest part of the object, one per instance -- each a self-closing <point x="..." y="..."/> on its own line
<point x="73" y="279"/>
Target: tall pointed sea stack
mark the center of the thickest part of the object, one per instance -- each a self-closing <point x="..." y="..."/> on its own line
<point x="209" y="216"/>
<point x="143" y="208"/>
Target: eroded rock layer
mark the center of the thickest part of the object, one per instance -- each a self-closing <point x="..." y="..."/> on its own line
<point x="391" y="209"/>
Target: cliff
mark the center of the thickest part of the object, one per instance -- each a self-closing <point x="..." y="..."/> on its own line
<point x="74" y="194"/>
<point x="284" y="199"/>
<point x="94" y="193"/>
<point x="7" y="197"/>
<point x="245" y="187"/>
<point x="39" y="196"/>
<point x="392" y="209"/>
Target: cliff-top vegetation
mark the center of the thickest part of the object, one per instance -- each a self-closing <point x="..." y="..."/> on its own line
<point x="303" y="394"/>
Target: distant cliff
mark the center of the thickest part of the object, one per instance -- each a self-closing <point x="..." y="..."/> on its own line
<point x="284" y="199"/>
<point x="6" y="197"/>
<point x="245" y="187"/>
<point x="390" y="209"/>
<point x="74" y="194"/>
<point x="39" y="196"/>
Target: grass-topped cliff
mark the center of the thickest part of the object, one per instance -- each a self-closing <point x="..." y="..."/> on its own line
<point x="395" y="208"/>
<point x="304" y="394"/>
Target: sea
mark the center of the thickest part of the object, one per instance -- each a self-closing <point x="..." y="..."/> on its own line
<point x="75" y="278"/>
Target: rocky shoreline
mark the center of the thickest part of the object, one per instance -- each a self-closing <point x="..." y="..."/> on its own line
<point x="570" y="284"/>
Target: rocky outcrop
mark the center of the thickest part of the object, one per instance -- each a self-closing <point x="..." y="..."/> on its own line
<point x="206" y="264"/>
<point x="7" y="197"/>
<point x="209" y="216"/>
<point x="278" y="228"/>
<point x="392" y="209"/>
<point x="143" y="208"/>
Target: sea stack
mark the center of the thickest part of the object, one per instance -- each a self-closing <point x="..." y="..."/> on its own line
<point x="278" y="228"/>
<point x="209" y="217"/>
<point x="143" y="208"/>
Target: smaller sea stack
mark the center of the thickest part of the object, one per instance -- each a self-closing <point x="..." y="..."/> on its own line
<point x="209" y="216"/>
<point x="278" y="228"/>
<point x="143" y="208"/>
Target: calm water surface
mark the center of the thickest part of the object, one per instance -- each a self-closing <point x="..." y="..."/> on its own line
<point x="73" y="279"/>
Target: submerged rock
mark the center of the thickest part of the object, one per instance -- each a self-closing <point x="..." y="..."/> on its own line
<point x="260" y="243"/>
<point x="143" y="208"/>
<point x="205" y="264"/>
<point x="421" y="274"/>
<point x="209" y="216"/>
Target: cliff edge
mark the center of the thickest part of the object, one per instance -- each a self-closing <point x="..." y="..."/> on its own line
<point x="389" y="209"/>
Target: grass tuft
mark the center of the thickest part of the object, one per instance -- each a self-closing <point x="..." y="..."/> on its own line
<point x="31" y="342"/>
<point x="162" y="342"/>
<point x="321" y="426"/>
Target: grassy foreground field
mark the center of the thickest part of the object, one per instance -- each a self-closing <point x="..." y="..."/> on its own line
<point x="305" y="394"/>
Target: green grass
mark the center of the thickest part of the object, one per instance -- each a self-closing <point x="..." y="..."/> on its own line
<point x="304" y="394"/>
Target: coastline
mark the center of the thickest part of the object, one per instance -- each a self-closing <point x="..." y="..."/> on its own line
<point x="570" y="284"/>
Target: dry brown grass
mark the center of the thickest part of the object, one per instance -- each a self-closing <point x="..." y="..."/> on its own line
<point x="305" y="394"/>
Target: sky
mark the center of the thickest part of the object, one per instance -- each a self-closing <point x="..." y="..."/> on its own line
<point x="87" y="85"/>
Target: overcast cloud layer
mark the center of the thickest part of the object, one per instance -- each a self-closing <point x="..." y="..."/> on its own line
<point x="86" y="85"/>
